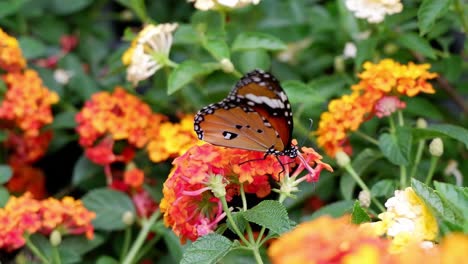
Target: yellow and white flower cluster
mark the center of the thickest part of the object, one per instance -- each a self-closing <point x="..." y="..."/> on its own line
<point x="221" y="4"/>
<point x="406" y="220"/>
<point x="149" y="51"/>
<point x="374" y="10"/>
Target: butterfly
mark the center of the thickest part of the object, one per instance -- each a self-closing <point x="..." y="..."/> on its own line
<point x="256" y="115"/>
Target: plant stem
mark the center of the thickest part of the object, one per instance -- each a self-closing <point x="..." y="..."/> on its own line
<point x="417" y="158"/>
<point x="459" y="10"/>
<point x="130" y="258"/>
<point x="257" y="256"/>
<point x="366" y="137"/>
<point x="403" y="176"/>
<point x="56" y="255"/>
<point x="36" y="251"/>
<point x="126" y="243"/>
<point x="232" y="222"/>
<point x="432" y="167"/>
<point x="244" y="200"/>
<point x="401" y="121"/>
<point x="147" y="247"/>
<point x="361" y="184"/>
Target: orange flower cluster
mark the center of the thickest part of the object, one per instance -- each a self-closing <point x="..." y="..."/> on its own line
<point x="26" y="215"/>
<point x="328" y="240"/>
<point x="11" y="57"/>
<point x="190" y="205"/>
<point x="378" y="81"/>
<point x="27" y="102"/>
<point x="169" y="140"/>
<point x="119" y="114"/>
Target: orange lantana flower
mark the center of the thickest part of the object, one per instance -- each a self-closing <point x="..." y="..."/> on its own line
<point x="11" y="57"/>
<point x="387" y="78"/>
<point x="328" y="240"/>
<point x="27" y="102"/>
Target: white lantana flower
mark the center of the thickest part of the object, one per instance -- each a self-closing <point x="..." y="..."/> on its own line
<point x="350" y="50"/>
<point x="374" y="10"/>
<point x="219" y="4"/>
<point x="407" y="219"/>
<point x="148" y="52"/>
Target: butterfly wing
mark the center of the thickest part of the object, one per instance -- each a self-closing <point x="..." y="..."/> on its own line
<point x="256" y="115"/>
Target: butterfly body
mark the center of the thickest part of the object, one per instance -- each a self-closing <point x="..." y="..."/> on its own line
<point x="256" y="115"/>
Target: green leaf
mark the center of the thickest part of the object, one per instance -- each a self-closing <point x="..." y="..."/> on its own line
<point x="359" y="215"/>
<point x="4" y="196"/>
<point x="253" y="59"/>
<point x="83" y="170"/>
<point x="82" y="245"/>
<point x="335" y="209"/>
<point x="455" y="197"/>
<point x="217" y="47"/>
<point x="64" y="120"/>
<point x="270" y="214"/>
<point x="109" y="206"/>
<point x="455" y="132"/>
<point x="10" y="7"/>
<point x="365" y="51"/>
<point x="187" y="72"/>
<point x="239" y="220"/>
<point x="302" y="92"/>
<point x="106" y="260"/>
<point x="257" y="40"/>
<point x="65" y="7"/>
<point x="208" y="23"/>
<point x="422" y="107"/>
<point x="67" y="255"/>
<point x="429" y="12"/>
<point x="32" y="48"/>
<point x="383" y="188"/>
<point x="417" y="44"/>
<point x="5" y="173"/>
<point x="432" y="200"/>
<point x="207" y="249"/>
<point x="185" y="34"/>
<point x="360" y="163"/>
<point x="176" y="250"/>
<point x="396" y="148"/>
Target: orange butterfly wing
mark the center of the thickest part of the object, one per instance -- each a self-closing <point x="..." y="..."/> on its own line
<point x="256" y="115"/>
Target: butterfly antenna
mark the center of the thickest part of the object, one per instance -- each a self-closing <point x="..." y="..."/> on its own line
<point x="310" y="128"/>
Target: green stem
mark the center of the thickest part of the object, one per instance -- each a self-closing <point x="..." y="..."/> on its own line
<point x="130" y="258"/>
<point x="392" y="124"/>
<point x="403" y="176"/>
<point x="56" y="255"/>
<point x="36" y="251"/>
<point x="366" y="137"/>
<point x="257" y="256"/>
<point x="147" y="247"/>
<point x="361" y="184"/>
<point x="460" y="11"/>
<point x="432" y="167"/>
<point x="417" y="158"/>
<point x="401" y="121"/>
<point x="244" y="200"/>
<point x="260" y="235"/>
<point x="126" y="243"/>
<point x="232" y="222"/>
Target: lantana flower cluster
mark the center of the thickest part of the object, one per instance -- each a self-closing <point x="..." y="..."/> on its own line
<point x="148" y="52"/>
<point x="170" y="140"/>
<point x="374" y="10"/>
<point x="191" y="203"/>
<point x="328" y="240"/>
<point x="25" y="108"/>
<point x="377" y="93"/>
<point x="407" y="220"/>
<point x="24" y="215"/>
<point x="222" y="4"/>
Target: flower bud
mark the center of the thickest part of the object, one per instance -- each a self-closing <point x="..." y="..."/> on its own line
<point x="128" y="218"/>
<point x="390" y="49"/>
<point x="436" y="147"/>
<point x="364" y="198"/>
<point x="421" y="123"/>
<point x="339" y="64"/>
<point x="226" y="65"/>
<point x="217" y="186"/>
<point x="55" y="238"/>
<point x="342" y="158"/>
